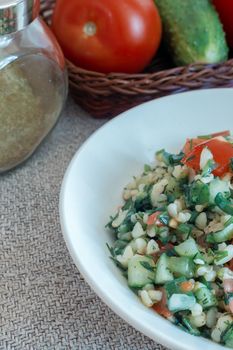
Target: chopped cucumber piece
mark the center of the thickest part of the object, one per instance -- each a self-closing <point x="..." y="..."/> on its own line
<point x="224" y="204"/>
<point x="190" y="329"/>
<point x="119" y="246"/>
<point x="124" y="228"/>
<point x="181" y="266"/>
<point x="187" y="248"/>
<point x="224" y="255"/>
<point x="168" y="158"/>
<point x="140" y="271"/>
<point x="124" y="236"/>
<point x="184" y="230"/>
<point x="164" y="218"/>
<point x="173" y="188"/>
<point x="163" y="274"/>
<point x="227" y="337"/>
<point x="179" y="302"/>
<point x="221" y="236"/>
<point x="173" y="287"/>
<point x="205" y="297"/>
<point x="197" y="193"/>
<point x="218" y="186"/>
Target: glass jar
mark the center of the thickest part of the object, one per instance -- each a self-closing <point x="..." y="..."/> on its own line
<point x="33" y="81"/>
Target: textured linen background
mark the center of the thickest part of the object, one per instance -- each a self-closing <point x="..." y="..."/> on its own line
<point x="44" y="301"/>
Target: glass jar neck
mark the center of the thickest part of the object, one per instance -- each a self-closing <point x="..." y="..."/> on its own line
<point x="17" y="14"/>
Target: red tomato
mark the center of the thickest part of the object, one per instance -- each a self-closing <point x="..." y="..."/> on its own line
<point x="230" y="264"/>
<point x="228" y="285"/>
<point x="165" y="248"/>
<point x="191" y="143"/>
<point x="225" y="10"/>
<point x="222" y="152"/>
<point x="221" y="133"/>
<point x="108" y="35"/>
<point x="161" y="306"/>
<point x="153" y="219"/>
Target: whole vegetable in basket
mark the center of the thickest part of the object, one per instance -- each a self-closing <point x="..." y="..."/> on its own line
<point x="108" y="36"/>
<point x="193" y="32"/>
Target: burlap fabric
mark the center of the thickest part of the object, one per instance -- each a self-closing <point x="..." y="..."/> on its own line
<point x="44" y="301"/>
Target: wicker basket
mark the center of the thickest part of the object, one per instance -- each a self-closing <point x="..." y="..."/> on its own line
<point x="106" y="95"/>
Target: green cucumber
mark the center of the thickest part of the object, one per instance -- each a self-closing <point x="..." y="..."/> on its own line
<point x="124" y="236"/>
<point x="205" y="297"/>
<point x="218" y="186"/>
<point x="163" y="274"/>
<point x="221" y="236"/>
<point x="179" y="302"/>
<point x="140" y="271"/>
<point x="119" y="246"/>
<point x="181" y="266"/>
<point x="224" y="204"/>
<point x="193" y="32"/>
<point x="227" y="337"/>
<point x="189" y="327"/>
<point x="183" y="230"/>
<point x="173" y="287"/>
<point x="187" y="248"/>
<point x="168" y="158"/>
<point x="197" y="193"/>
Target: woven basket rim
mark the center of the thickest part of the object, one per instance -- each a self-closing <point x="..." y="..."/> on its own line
<point x="192" y="68"/>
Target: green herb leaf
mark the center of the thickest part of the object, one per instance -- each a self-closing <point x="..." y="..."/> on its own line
<point x="205" y="137"/>
<point x="225" y="204"/>
<point x="220" y="254"/>
<point x="147" y="266"/>
<point x="147" y="168"/>
<point x="191" y="144"/>
<point x="164" y="218"/>
<point x="111" y="250"/>
<point x="168" y="158"/>
<point x="118" y="264"/>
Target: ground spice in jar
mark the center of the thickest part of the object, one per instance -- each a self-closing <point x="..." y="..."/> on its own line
<point x="25" y="116"/>
<point x="33" y="81"/>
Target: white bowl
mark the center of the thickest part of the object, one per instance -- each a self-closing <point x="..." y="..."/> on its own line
<point x="92" y="189"/>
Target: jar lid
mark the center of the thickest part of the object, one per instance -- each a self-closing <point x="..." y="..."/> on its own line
<point x="17" y="14"/>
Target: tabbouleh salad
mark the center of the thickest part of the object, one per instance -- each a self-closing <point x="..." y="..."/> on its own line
<point x="174" y="236"/>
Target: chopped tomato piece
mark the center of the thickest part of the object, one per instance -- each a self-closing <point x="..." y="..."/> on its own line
<point x="228" y="288"/>
<point x="191" y="143"/>
<point x="231" y="306"/>
<point x="153" y="219"/>
<point x="201" y="240"/>
<point x="221" y="133"/>
<point x="162" y="249"/>
<point x="166" y="247"/>
<point x="186" y="286"/>
<point x="222" y="153"/>
<point x="228" y="285"/>
<point x="230" y="264"/>
<point x="161" y="306"/>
